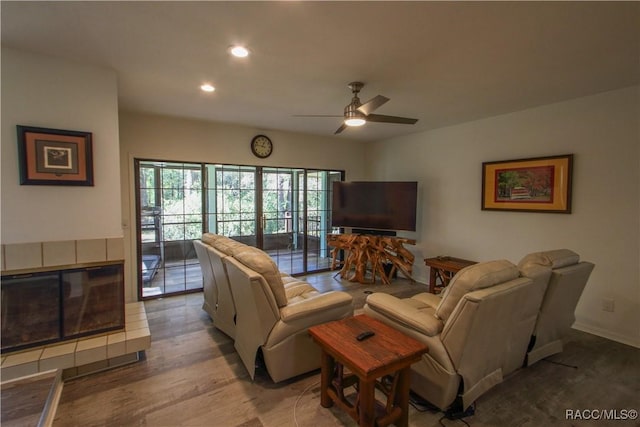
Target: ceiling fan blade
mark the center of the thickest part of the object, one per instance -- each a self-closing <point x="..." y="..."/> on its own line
<point x="373" y="104"/>
<point x="316" y="115"/>
<point x="340" y="129"/>
<point x="390" y="119"/>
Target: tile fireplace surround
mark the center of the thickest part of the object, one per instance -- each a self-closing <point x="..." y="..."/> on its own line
<point x="82" y="355"/>
<point x="68" y="253"/>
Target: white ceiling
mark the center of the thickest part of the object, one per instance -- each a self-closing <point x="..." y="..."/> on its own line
<point x="440" y="62"/>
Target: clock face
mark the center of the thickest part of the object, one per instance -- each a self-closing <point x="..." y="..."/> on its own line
<point x="261" y="146"/>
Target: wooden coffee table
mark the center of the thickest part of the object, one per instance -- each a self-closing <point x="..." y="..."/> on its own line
<point x="444" y="268"/>
<point x="348" y="362"/>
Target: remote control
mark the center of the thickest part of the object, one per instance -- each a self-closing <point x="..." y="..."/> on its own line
<point x="363" y="336"/>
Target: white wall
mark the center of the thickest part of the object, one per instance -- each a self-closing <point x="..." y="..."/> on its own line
<point x="46" y="92"/>
<point x="603" y="133"/>
<point x="147" y="136"/>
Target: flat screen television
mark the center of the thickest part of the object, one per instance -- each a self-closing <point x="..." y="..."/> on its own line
<point x="367" y="205"/>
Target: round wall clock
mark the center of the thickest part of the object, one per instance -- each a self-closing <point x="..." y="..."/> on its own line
<point x="261" y="146"/>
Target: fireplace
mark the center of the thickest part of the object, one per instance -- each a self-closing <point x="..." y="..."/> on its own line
<point x="43" y="307"/>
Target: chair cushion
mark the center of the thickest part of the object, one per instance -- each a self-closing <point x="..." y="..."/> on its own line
<point x="408" y="312"/>
<point x="228" y="246"/>
<point x="209" y="238"/>
<point x="262" y="263"/>
<point x="299" y="291"/>
<point x="477" y="276"/>
<point x="557" y="258"/>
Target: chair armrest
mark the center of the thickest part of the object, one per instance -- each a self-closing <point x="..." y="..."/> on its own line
<point x="317" y="309"/>
<point x="410" y="313"/>
<point x="431" y="300"/>
<point x="315" y="306"/>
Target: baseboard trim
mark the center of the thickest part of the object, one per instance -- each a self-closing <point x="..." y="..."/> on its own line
<point x="632" y="341"/>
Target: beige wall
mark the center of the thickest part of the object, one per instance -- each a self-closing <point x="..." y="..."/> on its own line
<point x="165" y="138"/>
<point x="47" y="92"/>
<point x="602" y="131"/>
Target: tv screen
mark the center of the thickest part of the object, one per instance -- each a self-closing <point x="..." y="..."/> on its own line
<point x="375" y="205"/>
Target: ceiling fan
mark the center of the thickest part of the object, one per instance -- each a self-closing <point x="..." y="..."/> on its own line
<point x="357" y="113"/>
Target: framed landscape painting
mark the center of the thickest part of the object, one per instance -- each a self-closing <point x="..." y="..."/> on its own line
<point x="541" y="184"/>
<point x="54" y="156"/>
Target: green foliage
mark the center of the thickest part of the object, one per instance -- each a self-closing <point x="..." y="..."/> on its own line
<point x="233" y="210"/>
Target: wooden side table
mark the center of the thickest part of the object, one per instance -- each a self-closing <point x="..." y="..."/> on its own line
<point x="444" y="268"/>
<point x="388" y="352"/>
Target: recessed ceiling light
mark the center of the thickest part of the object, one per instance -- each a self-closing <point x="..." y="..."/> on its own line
<point x="239" y="51"/>
<point x="207" y="87"/>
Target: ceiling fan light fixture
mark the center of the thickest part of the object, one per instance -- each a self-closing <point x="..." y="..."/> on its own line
<point x="355" y="121"/>
<point x="206" y="87"/>
<point x="353" y="117"/>
<point x="358" y="114"/>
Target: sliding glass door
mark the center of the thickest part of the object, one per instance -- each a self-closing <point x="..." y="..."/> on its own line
<point x="284" y="211"/>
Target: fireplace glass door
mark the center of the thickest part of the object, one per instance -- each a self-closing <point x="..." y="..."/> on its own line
<point x="45" y="307"/>
<point x="30" y="309"/>
<point x="93" y="300"/>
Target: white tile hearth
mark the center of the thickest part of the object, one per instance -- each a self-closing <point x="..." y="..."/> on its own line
<point x="84" y="355"/>
<point x="91" y="350"/>
<point x="116" y="345"/>
<point x="60" y="356"/>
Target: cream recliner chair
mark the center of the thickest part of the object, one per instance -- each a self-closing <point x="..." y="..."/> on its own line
<point x="477" y="333"/>
<point x="274" y="312"/>
<point x="218" y="248"/>
<point x="209" y="287"/>
<point x="568" y="277"/>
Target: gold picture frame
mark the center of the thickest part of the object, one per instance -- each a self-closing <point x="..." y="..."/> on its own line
<point x="539" y="184"/>
<point x="54" y="156"/>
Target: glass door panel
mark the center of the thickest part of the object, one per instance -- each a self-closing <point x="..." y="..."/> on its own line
<point x="279" y="213"/>
<point x="231" y="202"/>
<point x="170" y="218"/>
<point x="317" y="203"/>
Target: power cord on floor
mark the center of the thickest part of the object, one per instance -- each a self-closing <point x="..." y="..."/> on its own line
<point x="459" y="416"/>
<point x="422" y="405"/>
<point x="295" y="419"/>
<point x="560" y="363"/>
<point x="459" y="419"/>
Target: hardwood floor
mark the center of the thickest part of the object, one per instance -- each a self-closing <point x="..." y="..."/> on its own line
<point x="192" y="376"/>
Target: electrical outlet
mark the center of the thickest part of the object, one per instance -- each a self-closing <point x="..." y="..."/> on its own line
<point x="608" y="304"/>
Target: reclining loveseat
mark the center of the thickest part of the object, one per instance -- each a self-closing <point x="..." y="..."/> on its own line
<point x="265" y="310"/>
<point x="492" y="319"/>
<point x="477" y="332"/>
<point x="567" y="279"/>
